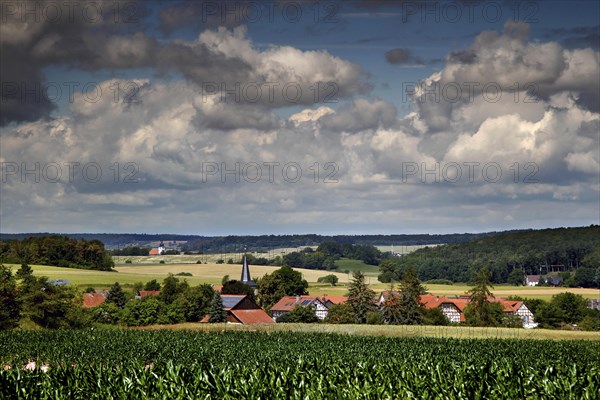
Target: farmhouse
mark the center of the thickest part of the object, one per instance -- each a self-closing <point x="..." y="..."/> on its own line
<point x="94" y="299"/>
<point x="144" y="293"/>
<point x="288" y="303"/>
<point x="157" y="251"/>
<point x="242" y="309"/>
<point x="532" y="280"/>
<point x="454" y="307"/>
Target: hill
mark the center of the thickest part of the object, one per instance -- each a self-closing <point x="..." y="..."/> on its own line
<point x="235" y="243"/>
<point x="533" y="252"/>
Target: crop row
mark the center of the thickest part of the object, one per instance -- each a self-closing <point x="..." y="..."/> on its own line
<point x="165" y="364"/>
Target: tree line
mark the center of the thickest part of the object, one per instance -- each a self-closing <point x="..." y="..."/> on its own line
<point x="59" y="251"/>
<point x="532" y="252"/>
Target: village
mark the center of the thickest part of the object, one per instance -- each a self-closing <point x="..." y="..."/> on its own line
<point x="243" y="309"/>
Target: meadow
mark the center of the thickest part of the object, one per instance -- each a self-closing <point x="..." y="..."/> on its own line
<point x="108" y="364"/>
<point x="128" y="274"/>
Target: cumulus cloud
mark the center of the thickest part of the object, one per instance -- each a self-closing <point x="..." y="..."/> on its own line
<point x="176" y="139"/>
<point x="219" y="61"/>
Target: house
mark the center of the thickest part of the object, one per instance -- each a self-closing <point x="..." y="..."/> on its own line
<point x="242" y="309"/>
<point x="532" y="280"/>
<point x="94" y="299"/>
<point x="454" y="307"/>
<point x="594" y="304"/>
<point x="332" y="300"/>
<point x="288" y="303"/>
<point x="518" y="308"/>
<point x="554" y="280"/>
<point x="144" y="293"/>
<point x="157" y="251"/>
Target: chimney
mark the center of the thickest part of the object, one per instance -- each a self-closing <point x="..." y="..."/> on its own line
<point x="297" y="298"/>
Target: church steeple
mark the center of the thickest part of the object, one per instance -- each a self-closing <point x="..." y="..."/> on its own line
<point x="246" y="273"/>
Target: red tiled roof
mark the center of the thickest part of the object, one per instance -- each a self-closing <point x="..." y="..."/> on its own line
<point x="153" y="252"/>
<point x="248" y="317"/>
<point x="149" y="293"/>
<point x="336" y="299"/>
<point x="288" y="303"/>
<point x="93" y="299"/>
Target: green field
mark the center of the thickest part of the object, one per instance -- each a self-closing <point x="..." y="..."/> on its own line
<point x="357" y="265"/>
<point x="163" y="364"/>
<point x="128" y="274"/>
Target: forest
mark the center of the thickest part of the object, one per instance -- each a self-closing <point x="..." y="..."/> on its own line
<point x="59" y="251"/>
<point x="237" y="243"/>
<point x="572" y="251"/>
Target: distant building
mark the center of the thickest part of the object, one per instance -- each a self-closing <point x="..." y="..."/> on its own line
<point x="144" y="293"/>
<point x="594" y="304"/>
<point x="553" y="280"/>
<point x="246" y="279"/>
<point x="94" y="299"/>
<point x="532" y="280"/>
<point x="242" y="309"/>
<point x="158" y="251"/>
<point x="59" y="282"/>
<point x="288" y="303"/>
<point x="454" y="307"/>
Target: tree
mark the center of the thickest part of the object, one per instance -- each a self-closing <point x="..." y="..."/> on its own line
<point x="488" y="314"/>
<point x="237" y="287"/>
<point x="51" y="306"/>
<point x="587" y="277"/>
<point x="391" y="310"/>
<point x="434" y="316"/>
<point x="169" y="289"/>
<point x="145" y="311"/>
<point x="282" y="282"/>
<point x="137" y="287"/>
<point x="225" y="279"/>
<point x="411" y="309"/>
<point x="481" y="312"/>
<point x="516" y="277"/>
<point x="152" y="285"/>
<point x="573" y="306"/>
<point x="10" y="308"/>
<point x="116" y="296"/>
<point x="300" y="314"/>
<point x="216" y="310"/>
<point x="360" y="297"/>
<point x="24" y="272"/>
<point x="196" y="302"/>
<point x="331" y="279"/>
<point x="388" y="269"/>
<point x="340" y="314"/>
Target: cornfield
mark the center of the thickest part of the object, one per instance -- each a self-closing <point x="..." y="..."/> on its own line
<point x="123" y="364"/>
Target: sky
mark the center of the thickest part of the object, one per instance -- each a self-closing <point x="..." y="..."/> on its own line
<point x="282" y="117"/>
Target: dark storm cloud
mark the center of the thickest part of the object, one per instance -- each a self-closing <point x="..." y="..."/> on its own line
<point x="400" y="56"/>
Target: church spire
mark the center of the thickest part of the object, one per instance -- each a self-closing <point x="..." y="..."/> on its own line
<point x="246" y="273"/>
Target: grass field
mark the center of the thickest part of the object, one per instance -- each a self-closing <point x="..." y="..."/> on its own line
<point x="128" y="274"/>
<point x="457" y="332"/>
<point x="357" y="265"/>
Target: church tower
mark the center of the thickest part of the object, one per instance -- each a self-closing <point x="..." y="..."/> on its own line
<point x="246" y="274"/>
